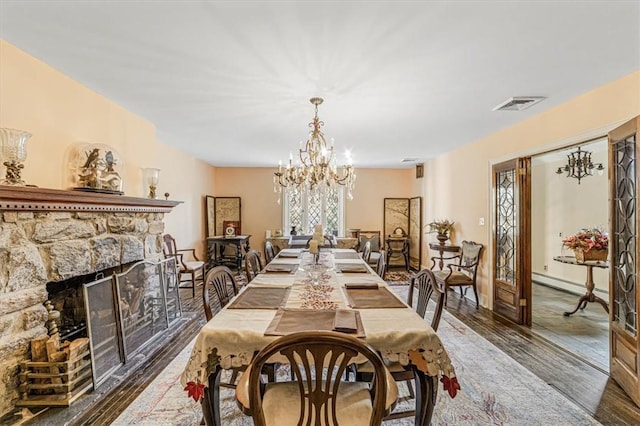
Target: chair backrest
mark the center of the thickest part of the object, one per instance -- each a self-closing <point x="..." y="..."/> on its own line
<point x="299" y="241"/>
<point x="169" y="247"/>
<point x="428" y="288"/>
<point x="470" y="255"/>
<point x="221" y="284"/>
<point x="366" y="251"/>
<point x="269" y="251"/>
<point x="381" y="266"/>
<point x="310" y="353"/>
<point x="252" y="264"/>
<point x="373" y="237"/>
<point x="329" y="240"/>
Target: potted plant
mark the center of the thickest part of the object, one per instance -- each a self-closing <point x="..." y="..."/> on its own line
<point x="588" y="244"/>
<point x="441" y="227"/>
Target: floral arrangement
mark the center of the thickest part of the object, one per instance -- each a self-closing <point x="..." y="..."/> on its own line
<point x="441" y="226"/>
<point x="587" y="239"/>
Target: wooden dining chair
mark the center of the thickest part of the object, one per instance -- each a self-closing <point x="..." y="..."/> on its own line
<point x="464" y="273"/>
<point x="428" y="289"/>
<point x="219" y="288"/>
<point x="376" y="245"/>
<point x="252" y="264"/>
<point x="366" y="251"/>
<point x="381" y="266"/>
<point x="189" y="270"/>
<point x="269" y="251"/>
<point x="316" y="394"/>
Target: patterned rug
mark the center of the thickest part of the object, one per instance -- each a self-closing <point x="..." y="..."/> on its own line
<point x="495" y="391"/>
<point x="397" y="277"/>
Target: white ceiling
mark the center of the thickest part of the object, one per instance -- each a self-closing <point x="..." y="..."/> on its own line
<point x="229" y="82"/>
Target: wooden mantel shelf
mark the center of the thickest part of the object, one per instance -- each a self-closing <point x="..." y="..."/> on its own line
<point x="44" y="199"/>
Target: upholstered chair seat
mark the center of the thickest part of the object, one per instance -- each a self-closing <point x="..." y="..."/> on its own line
<point x="309" y="399"/>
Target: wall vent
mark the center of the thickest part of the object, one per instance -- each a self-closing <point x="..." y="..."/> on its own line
<point x="519" y="103"/>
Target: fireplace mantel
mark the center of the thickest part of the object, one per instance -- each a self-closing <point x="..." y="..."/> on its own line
<point x="44" y="199"/>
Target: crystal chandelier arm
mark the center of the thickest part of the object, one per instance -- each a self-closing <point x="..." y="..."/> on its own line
<point x="316" y="165"/>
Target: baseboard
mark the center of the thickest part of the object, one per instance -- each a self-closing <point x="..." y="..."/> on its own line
<point x="564" y="285"/>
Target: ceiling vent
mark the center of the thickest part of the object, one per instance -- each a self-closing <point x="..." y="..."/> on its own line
<point x="518" y="103"/>
<point x="409" y="160"/>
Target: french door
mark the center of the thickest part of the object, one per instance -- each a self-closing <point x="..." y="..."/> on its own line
<point x="624" y="268"/>
<point x="511" y="240"/>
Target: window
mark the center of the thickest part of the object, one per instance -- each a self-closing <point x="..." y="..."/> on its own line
<point x="305" y="209"/>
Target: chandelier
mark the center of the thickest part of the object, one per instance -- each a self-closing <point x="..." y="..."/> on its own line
<point x="315" y="166"/>
<point x="579" y="165"/>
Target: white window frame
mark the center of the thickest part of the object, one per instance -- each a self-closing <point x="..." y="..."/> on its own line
<point x="341" y="211"/>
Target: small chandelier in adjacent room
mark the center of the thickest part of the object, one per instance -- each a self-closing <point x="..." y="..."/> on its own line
<point x="579" y="165"/>
<point x="315" y="166"/>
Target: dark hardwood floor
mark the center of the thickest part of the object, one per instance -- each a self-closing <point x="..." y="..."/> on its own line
<point x="585" y="333"/>
<point x="586" y="385"/>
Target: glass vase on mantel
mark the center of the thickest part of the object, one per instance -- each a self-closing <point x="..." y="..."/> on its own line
<point x="150" y="177"/>
<point x="13" y="145"/>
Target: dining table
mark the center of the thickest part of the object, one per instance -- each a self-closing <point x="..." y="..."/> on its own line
<point x="301" y="291"/>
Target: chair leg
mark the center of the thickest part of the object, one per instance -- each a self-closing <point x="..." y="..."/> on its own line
<point x="234" y="377"/>
<point x="412" y="394"/>
<point x="193" y="284"/>
<point x="475" y="291"/>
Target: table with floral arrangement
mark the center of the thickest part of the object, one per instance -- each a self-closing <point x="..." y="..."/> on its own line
<point x="590" y="246"/>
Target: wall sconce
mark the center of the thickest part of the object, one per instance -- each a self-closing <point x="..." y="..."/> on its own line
<point x="579" y="165"/>
<point x="150" y="178"/>
<point x="13" y="145"/>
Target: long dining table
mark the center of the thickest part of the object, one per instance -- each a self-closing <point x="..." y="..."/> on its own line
<point x="293" y="286"/>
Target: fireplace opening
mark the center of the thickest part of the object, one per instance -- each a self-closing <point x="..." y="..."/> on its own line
<point x="67" y="297"/>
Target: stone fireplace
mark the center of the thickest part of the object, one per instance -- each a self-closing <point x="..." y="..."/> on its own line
<point x="48" y="236"/>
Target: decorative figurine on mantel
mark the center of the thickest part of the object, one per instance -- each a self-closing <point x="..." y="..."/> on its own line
<point x="95" y="168"/>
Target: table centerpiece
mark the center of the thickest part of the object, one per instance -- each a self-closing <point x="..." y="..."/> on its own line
<point x="589" y="244"/>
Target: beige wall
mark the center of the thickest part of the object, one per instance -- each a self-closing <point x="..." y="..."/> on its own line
<point x="458" y="183"/>
<point x="261" y="211"/>
<point x="60" y="112"/>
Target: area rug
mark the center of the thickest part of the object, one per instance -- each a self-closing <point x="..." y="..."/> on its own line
<point x="495" y="391"/>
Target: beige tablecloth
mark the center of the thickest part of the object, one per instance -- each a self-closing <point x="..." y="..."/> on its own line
<point x="232" y="336"/>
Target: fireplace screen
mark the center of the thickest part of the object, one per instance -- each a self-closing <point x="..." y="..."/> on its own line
<point x="104" y="330"/>
<point x="147" y="304"/>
